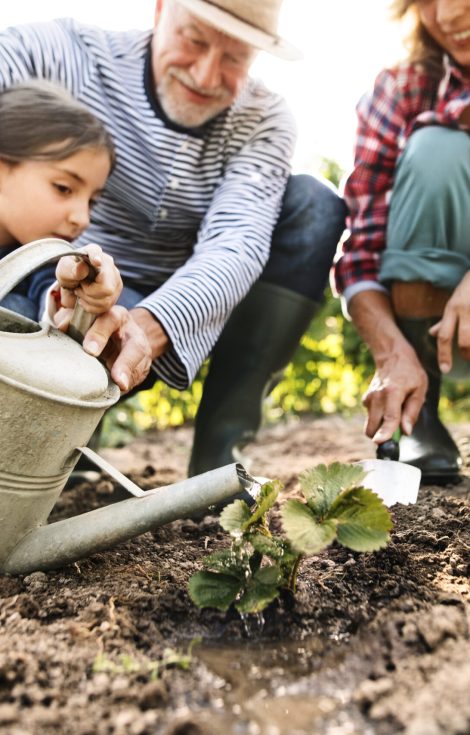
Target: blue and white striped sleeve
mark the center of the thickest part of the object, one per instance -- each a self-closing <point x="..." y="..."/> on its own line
<point x="45" y="51"/>
<point x="232" y="247"/>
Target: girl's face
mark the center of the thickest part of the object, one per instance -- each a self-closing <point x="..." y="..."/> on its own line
<point x="50" y="198"/>
<point x="448" y="22"/>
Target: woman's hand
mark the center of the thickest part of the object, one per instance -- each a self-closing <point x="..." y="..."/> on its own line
<point x="397" y="391"/>
<point x="455" y="322"/>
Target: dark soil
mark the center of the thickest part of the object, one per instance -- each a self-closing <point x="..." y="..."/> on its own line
<point x="374" y="644"/>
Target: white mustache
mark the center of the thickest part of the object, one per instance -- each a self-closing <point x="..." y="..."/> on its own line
<point x="188" y="81"/>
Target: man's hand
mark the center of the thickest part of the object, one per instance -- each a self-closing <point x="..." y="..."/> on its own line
<point x="96" y="296"/>
<point x="122" y="345"/>
<point x="455" y="321"/>
<point x="397" y="391"/>
<point x="154" y="331"/>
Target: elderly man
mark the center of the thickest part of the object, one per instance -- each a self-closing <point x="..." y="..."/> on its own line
<point x="200" y="213"/>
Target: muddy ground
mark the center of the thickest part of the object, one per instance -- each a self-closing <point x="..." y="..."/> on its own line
<point x="374" y="644"/>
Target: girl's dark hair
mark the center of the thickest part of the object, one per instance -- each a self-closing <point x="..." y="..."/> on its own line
<point x="422" y="48"/>
<point x="41" y="121"/>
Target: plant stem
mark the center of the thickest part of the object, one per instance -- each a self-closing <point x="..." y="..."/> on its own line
<point x="293" y="574"/>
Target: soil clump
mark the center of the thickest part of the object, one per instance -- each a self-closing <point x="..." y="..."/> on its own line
<point x="373" y="644"/>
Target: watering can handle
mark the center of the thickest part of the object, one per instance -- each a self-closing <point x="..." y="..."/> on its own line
<point x="82" y="320"/>
<point x="26" y="259"/>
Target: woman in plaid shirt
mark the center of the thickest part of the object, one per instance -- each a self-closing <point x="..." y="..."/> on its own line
<point x="404" y="269"/>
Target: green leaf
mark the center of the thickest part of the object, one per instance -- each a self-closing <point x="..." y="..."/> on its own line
<point x="209" y="589"/>
<point x="234" y="517"/>
<point x="363" y="521"/>
<point x="267" y="545"/>
<point x="262" y="589"/>
<point x="265" y="500"/>
<point x="322" y="484"/>
<point x="225" y="561"/>
<point x="303" y="530"/>
<point x="278" y="549"/>
<point x="268" y="575"/>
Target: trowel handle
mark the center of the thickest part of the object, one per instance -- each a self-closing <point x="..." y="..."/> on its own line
<point x="82" y="320"/>
<point x="391" y="448"/>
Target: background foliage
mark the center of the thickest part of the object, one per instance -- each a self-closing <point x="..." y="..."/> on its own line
<point x="329" y="373"/>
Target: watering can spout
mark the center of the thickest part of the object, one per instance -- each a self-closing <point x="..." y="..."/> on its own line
<point x="67" y="541"/>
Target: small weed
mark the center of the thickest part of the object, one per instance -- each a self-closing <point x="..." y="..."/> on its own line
<point x="126" y="665"/>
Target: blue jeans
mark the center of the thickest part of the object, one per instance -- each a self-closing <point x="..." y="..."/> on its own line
<point x="310" y="224"/>
<point x="28" y="297"/>
<point x="20" y="304"/>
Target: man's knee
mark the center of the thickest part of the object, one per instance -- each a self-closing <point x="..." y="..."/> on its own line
<point x="311" y="207"/>
<point x="305" y="239"/>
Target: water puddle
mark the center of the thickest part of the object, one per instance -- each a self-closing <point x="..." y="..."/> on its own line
<point x="284" y="687"/>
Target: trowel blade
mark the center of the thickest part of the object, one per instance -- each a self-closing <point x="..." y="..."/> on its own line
<point x="394" y="482"/>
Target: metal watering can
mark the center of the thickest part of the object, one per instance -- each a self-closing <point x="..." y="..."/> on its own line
<point x="52" y="397"/>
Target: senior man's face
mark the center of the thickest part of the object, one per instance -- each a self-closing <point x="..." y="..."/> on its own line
<point x="198" y="70"/>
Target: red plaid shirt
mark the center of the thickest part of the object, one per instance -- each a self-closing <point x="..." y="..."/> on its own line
<point x="403" y="99"/>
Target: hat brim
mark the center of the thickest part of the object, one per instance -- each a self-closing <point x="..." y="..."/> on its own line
<point x="232" y="26"/>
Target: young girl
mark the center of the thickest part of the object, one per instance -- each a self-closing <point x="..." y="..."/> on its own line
<point x="55" y="157"/>
<point x="406" y="264"/>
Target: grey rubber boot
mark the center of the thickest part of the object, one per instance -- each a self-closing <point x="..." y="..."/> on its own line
<point x="430" y="447"/>
<point x="256" y="345"/>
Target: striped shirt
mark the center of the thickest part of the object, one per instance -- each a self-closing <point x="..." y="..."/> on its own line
<point x="404" y="99"/>
<point x="187" y="214"/>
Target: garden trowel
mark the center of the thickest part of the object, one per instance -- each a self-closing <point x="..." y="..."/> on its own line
<point x="393" y="481"/>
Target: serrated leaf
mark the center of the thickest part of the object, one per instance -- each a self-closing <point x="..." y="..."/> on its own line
<point x="265" y="500"/>
<point x="268" y="545"/>
<point x="210" y="589"/>
<point x="234" y="517"/>
<point x="262" y="589"/>
<point x="306" y="534"/>
<point x="224" y="562"/>
<point x="363" y="521"/>
<point x="322" y="484"/>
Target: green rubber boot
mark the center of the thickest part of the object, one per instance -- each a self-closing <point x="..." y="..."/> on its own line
<point x="430" y="447"/>
<point x="256" y="345"/>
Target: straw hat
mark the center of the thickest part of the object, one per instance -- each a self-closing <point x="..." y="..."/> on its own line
<point x="252" y="21"/>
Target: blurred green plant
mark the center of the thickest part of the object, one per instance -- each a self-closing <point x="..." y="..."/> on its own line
<point x="126" y="665"/>
<point x="329" y="373"/>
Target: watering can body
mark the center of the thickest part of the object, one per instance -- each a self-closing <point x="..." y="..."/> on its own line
<point x="52" y="397"/>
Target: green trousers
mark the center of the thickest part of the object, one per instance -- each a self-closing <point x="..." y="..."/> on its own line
<point x="428" y="233"/>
